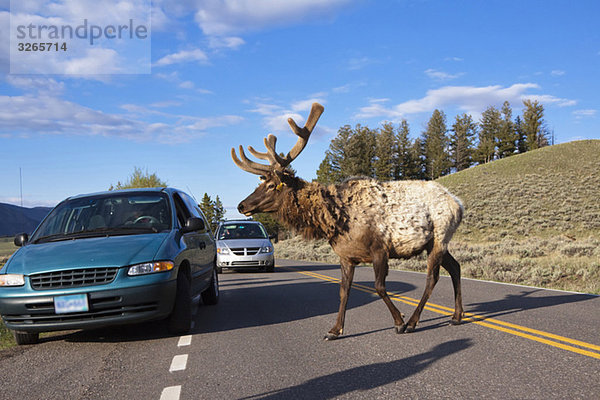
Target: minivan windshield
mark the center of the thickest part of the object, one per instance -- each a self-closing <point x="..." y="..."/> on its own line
<point x="241" y="231"/>
<point x="106" y="215"/>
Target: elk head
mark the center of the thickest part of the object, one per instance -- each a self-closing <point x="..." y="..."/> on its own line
<point x="277" y="181"/>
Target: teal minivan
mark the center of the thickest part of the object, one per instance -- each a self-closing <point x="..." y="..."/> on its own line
<point x="110" y="258"/>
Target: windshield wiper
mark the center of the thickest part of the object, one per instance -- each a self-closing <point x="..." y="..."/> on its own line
<point x="124" y="230"/>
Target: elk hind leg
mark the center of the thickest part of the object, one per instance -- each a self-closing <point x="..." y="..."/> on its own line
<point x="434" y="260"/>
<point x="453" y="268"/>
<point x="380" y="266"/>
<point x="347" y="276"/>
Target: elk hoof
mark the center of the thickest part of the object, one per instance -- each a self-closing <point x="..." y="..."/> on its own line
<point x="331" y="336"/>
<point x="407" y="329"/>
<point x="399" y="328"/>
<point x="454" y="322"/>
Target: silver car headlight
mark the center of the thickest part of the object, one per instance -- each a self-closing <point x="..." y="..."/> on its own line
<point x="222" y="250"/>
<point x="266" y="249"/>
<point x="150" y="268"/>
<point x="12" y="280"/>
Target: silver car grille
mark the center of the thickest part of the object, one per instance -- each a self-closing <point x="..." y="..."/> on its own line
<point x="245" y="251"/>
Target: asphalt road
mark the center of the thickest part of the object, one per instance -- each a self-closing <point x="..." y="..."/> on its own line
<point x="264" y="341"/>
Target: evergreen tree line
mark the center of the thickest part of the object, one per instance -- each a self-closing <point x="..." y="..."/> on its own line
<point x="388" y="153"/>
<point x="213" y="210"/>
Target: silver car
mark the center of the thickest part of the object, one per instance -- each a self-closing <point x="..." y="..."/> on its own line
<point x="244" y="244"/>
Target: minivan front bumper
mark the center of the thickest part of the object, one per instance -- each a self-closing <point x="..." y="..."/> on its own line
<point x="36" y="313"/>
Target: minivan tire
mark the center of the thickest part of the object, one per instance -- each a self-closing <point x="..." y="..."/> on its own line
<point x="180" y="320"/>
<point x="26" y="337"/>
<point x="211" y="295"/>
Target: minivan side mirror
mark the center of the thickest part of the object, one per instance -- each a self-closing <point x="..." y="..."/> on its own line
<point x="193" y="224"/>
<point x="21" y="239"/>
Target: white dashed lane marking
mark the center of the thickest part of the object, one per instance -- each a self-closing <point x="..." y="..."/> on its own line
<point x="184" y="341"/>
<point x="179" y="363"/>
<point x="171" y="393"/>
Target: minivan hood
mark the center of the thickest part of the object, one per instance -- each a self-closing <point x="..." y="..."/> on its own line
<point x="112" y="251"/>
<point x="235" y="243"/>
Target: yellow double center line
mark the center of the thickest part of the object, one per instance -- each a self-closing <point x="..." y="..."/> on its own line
<point x="583" y="348"/>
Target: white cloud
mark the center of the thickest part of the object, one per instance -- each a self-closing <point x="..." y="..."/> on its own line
<point x="441" y="75"/>
<point x="44" y="114"/>
<point x="186" y="85"/>
<point x="183" y="56"/>
<point x="35" y="84"/>
<point x="470" y="99"/>
<point x="455" y="59"/>
<point x="357" y="63"/>
<point x="96" y="61"/>
<point x="222" y="18"/>
<point x="557" y="72"/>
<point x="589" y="113"/>
<point x="230" y="42"/>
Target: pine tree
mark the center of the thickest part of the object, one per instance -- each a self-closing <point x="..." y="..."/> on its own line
<point x="208" y="209"/>
<point x="435" y="142"/>
<point x="507" y="137"/>
<point x="219" y="212"/>
<point x="488" y="134"/>
<point x="331" y="169"/>
<point x="360" y="153"/>
<point x="325" y="174"/>
<point x="406" y="162"/>
<point x="520" y="134"/>
<point x="533" y="124"/>
<point x="461" y="142"/>
<point x="385" y="153"/>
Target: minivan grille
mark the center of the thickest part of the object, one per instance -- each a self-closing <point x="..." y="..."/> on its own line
<point x="73" y="278"/>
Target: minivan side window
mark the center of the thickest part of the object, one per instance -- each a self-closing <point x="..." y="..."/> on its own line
<point x="195" y="209"/>
<point x="181" y="209"/>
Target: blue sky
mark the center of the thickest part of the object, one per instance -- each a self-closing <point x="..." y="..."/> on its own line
<point x="225" y="73"/>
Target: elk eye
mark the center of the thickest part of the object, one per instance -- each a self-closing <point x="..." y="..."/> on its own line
<point x="271" y="186"/>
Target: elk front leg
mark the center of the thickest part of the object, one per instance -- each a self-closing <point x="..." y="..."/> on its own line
<point x="347" y="276"/>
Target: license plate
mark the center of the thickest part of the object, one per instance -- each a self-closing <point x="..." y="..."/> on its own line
<point x="70" y="304"/>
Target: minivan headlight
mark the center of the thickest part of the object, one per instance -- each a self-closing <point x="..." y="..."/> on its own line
<point x="223" y="250"/>
<point x="12" y="280"/>
<point x="149" y="268"/>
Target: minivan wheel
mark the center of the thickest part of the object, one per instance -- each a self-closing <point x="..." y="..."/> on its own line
<point x="26" y="337"/>
<point x="180" y="320"/>
<point x="211" y="295"/>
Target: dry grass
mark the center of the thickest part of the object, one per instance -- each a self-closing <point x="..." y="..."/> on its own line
<point x="7" y="247"/>
<point x="531" y="219"/>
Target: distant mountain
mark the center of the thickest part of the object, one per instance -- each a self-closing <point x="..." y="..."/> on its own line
<point x="15" y="219"/>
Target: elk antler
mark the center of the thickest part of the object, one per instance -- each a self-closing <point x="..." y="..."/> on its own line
<point x="276" y="161"/>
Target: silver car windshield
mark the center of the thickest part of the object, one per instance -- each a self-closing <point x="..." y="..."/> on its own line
<point x="118" y="214"/>
<point x="241" y="231"/>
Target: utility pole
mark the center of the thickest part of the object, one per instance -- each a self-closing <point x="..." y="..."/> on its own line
<point x="21" y="185"/>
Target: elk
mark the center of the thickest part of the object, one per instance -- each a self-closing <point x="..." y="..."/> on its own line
<point x="364" y="221"/>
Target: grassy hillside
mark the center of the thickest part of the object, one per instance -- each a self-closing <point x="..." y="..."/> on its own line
<point x="547" y="192"/>
<point x="531" y="219"/>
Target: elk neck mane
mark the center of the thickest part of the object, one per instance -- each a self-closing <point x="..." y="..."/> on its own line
<point x="312" y="210"/>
